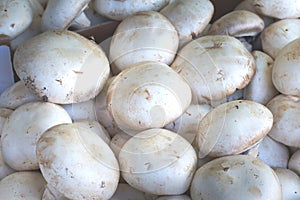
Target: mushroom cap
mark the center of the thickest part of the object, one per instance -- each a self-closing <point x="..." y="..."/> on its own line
<point x="280" y="9"/>
<point x="189" y="17"/>
<point x="118" y="141"/>
<point x="285" y="128"/>
<point x="232" y="128"/>
<point x="229" y="176"/>
<point x="139" y="97"/>
<point x="62" y="66"/>
<point x="158" y="161"/>
<point x="85" y="110"/>
<point x="16" y="16"/>
<point x="144" y="36"/>
<point x="290" y="183"/>
<point x="279" y="34"/>
<point x="214" y="67"/>
<point x="87" y="168"/>
<point x="23" y="129"/>
<point x="261" y="88"/>
<point x="22" y="185"/>
<point x="119" y="10"/>
<point x="286" y="71"/>
<point x="273" y="153"/>
<point x="237" y="23"/>
<point x="16" y="95"/>
<point x="59" y="16"/>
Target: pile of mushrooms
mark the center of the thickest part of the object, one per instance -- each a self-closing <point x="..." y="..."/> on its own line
<point x="176" y="104"/>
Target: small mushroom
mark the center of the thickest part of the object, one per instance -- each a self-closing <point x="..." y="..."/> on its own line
<point x="16" y="16"/>
<point x="59" y="16"/>
<point x="286" y="70"/>
<point x="62" y="67"/>
<point x="290" y="183"/>
<point x="279" y="34"/>
<point x="119" y="10"/>
<point x="22" y="130"/>
<point x="144" y="36"/>
<point x="17" y="95"/>
<point x="232" y="128"/>
<point x="279" y="9"/>
<point x="81" y="111"/>
<point x="273" y="153"/>
<point x="187" y="124"/>
<point x="158" y="161"/>
<point x="139" y="97"/>
<point x="232" y="177"/>
<point x="214" y="67"/>
<point x="261" y="88"/>
<point x="190" y="18"/>
<point x="238" y="23"/>
<point x="91" y="172"/>
<point x="22" y="185"/>
<point x="285" y="129"/>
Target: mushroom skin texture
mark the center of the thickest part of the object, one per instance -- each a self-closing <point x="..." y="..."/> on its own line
<point x="59" y="16"/>
<point x="51" y="194"/>
<point x="81" y="111"/>
<point x="261" y="88"/>
<point x="144" y="36"/>
<point x="286" y="72"/>
<point x="215" y="67"/>
<point x="237" y="23"/>
<point x="273" y="153"/>
<point x="279" y="9"/>
<point x="232" y="128"/>
<point x="62" y="67"/>
<point x="118" y="141"/>
<point x="286" y="110"/>
<point x="294" y="162"/>
<point x="16" y="16"/>
<point x="22" y="185"/>
<point x="290" y="183"/>
<point x="23" y="129"/>
<point x="17" y="95"/>
<point x="232" y="177"/>
<point x="190" y="18"/>
<point x="158" y="161"/>
<point x="87" y="168"/>
<point x="139" y="97"/>
<point x="119" y="10"/>
<point x="279" y="34"/>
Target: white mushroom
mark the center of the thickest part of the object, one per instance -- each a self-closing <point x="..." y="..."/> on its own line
<point x="144" y="36"/>
<point x="59" y="14"/>
<point x="95" y="127"/>
<point x="16" y="16"/>
<point x="273" y="153"/>
<point x="285" y="129"/>
<point x="119" y="10"/>
<point x="118" y="141"/>
<point x="279" y="34"/>
<point x="85" y="110"/>
<point x="238" y="23"/>
<point x="294" y="162"/>
<point x="158" y="161"/>
<point x="232" y="128"/>
<point x="187" y="124"/>
<point x="286" y="72"/>
<point x="232" y="177"/>
<point x="22" y="130"/>
<point x="280" y="9"/>
<point x="139" y="97"/>
<point x="190" y="18"/>
<point x="261" y="88"/>
<point x="215" y="67"/>
<point x="51" y="194"/>
<point x="22" y="185"/>
<point x="17" y="95"/>
<point x="290" y="183"/>
<point x="62" y="66"/>
<point x="77" y="163"/>
<point x="80" y="22"/>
